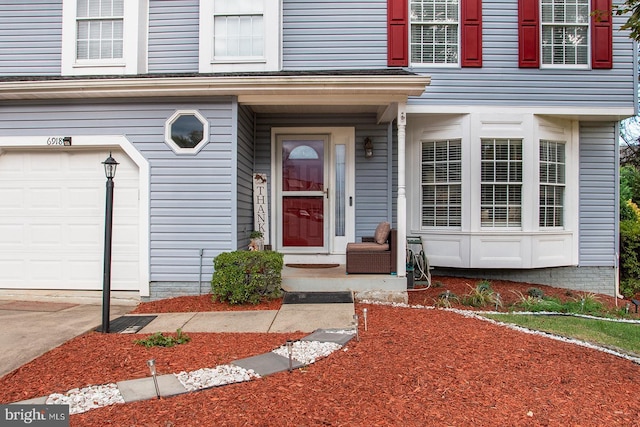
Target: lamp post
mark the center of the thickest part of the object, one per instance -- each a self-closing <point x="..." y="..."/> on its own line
<point x="110" y="166"/>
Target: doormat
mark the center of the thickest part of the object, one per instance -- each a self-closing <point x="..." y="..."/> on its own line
<point x="317" y="297"/>
<point x="128" y="324"/>
<point x="312" y="265"/>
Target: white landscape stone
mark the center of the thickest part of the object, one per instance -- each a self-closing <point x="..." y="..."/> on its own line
<point x="213" y="377"/>
<point x="307" y="352"/>
<point x="87" y="398"/>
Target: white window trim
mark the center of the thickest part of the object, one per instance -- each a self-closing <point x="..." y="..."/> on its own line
<point x="135" y="31"/>
<point x="272" y="37"/>
<point x="566" y="66"/>
<point x="554" y="184"/>
<point x="418" y="65"/>
<point x="175" y="147"/>
<point x="506" y="183"/>
<point x="448" y="183"/>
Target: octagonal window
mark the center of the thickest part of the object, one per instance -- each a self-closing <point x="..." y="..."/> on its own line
<point x="187" y="132"/>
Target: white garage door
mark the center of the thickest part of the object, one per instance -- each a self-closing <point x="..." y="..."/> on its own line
<point x="52" y="208"/>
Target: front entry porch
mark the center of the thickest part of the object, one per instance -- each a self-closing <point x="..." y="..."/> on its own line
<point x="379" y="287"/>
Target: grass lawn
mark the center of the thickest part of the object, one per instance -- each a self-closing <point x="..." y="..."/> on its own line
<point x="624" y="337"/>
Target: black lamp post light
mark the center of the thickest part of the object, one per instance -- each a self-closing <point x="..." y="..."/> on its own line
<point x="110" y="166"/>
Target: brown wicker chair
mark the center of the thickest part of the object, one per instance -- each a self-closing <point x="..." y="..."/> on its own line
<point x="369" y="257"/>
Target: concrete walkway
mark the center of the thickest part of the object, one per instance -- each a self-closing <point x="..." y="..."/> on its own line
<point x="290" y="318"/>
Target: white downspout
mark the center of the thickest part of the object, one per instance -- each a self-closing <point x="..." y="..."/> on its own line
<point x="402" y="198"/>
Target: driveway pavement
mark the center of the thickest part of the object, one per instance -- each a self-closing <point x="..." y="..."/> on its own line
<point x="31" y="328"/>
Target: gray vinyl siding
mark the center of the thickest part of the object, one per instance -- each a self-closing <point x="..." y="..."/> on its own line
<point x="501" y="82"/>
<point x="245" y="176"/>
<point x="334" y="34"/>
<point x="372" y="193"/>
<point x="598" y="194"/>
<point x="173" y="36"/>
<point x="31" y="34"/>
<point x="192" y="198"/>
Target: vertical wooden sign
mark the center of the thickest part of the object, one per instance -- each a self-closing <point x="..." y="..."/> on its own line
<point x="261" y="206"/>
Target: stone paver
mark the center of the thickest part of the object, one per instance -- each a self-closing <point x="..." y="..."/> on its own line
<point x="144" y="388"/>
<point x="231" y="321"/>
<point x="267" y="364"/>
<point x="309" y="317"/>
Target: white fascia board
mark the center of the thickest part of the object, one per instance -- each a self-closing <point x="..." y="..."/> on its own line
<point x="271" y="86"/>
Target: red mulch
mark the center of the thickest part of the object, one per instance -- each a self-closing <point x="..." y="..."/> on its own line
<point x="200" y="303"/>
<point x="509" y="293"/>
<point x="411" y="367"/>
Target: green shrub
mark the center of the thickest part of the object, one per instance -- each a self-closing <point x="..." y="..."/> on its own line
<point x="629" y="287"/>
<point x="629" y="257"/>
<point x="159" y="340"/>
<point x="247" y="276"/>
<point x="587" y="303"/>
<point x="534" y="304"/>
<point x="629" y="184"/>
<point x="480" y="296"/>
<point x="446" y="299"/>
<point x="535" y="292"/>
<point x="484" y="286"/>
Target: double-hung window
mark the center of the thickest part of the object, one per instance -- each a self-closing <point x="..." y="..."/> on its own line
<point x="442" y="183"/>
<point x="434" y="32"/>
<point x="100" y="25"/>
<point x="104" y="37"/>
<point x="565" y="32"/>
<point x="239" y="35"/>
<point x="501" y="183"/>
<point x="238" y="29"/>
<point x="552" y="183"/>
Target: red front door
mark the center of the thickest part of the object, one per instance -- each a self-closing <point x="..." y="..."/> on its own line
<point x="303" y="192"/>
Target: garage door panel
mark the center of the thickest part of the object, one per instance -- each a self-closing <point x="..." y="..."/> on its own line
<point x="12" y="235"/>
<point x="12" y="269"/>
<point x="84" y="200"/>
<point x="12" y="198"/>
<point x="44" y="269"/>
<point x="46" y="234"/>
<point x="44" y="198"/>
<point x="52" y="220"/>
<point x="87" y="270"/>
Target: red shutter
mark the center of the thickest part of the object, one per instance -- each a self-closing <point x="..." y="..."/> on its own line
<point x="471" y="34"/>
<point x="397" y="33"/>
<point x="528" y="34"/>
<point x="601" y="34"/>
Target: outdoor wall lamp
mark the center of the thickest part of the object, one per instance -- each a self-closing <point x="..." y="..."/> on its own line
<point x="368" y="148"/>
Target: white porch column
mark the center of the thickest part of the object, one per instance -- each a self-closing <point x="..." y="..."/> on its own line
<point x="402" y="197"/>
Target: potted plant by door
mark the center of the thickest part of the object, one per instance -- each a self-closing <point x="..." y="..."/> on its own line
<point x="257" y="242"/>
